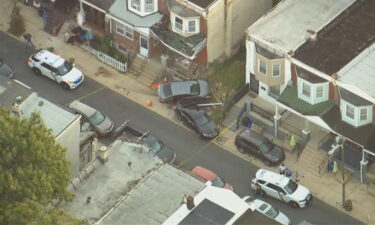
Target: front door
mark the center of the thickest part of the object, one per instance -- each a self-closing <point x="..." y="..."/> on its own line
<point x="143" y="46"/>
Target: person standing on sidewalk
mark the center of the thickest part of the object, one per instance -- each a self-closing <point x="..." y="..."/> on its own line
<point x="28" y="42"/>
<point x="282" y="169"/>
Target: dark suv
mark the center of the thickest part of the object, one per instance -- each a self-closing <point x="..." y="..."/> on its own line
<point x="253" y="143"/>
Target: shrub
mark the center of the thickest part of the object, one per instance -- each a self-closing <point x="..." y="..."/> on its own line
<point x="17" y="23"/>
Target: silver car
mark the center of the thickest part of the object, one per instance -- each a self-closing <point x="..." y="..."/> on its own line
<point x="100" y="123"/>
<point x="173" y="91"/>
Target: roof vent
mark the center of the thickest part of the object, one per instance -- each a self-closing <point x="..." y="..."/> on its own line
<point x="312" y="35"/>
<point x="41" y="103"/>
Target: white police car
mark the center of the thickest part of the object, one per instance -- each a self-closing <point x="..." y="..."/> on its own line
<point x="281" y="187"/>
<point x="55" y="67"/>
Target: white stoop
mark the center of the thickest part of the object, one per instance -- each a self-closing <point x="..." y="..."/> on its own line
<point x="311" y="158"/>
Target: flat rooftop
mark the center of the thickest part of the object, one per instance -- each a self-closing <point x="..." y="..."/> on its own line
<point x="54" y="117"/>
<point x="340" y="41"/>
<point x="285" y="26"/>
<point x="132" y="187"/>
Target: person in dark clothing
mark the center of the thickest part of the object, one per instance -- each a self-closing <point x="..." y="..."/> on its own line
<point x="28" y="42"/>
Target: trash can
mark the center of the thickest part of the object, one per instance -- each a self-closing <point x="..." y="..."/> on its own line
<point x="348" y="205"/>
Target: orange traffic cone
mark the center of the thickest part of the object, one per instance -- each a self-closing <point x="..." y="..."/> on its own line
<point x="148" y="103"/>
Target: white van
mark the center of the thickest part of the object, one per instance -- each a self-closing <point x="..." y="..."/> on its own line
<point x="281" y="187"/>
<point x="55" y="67"/>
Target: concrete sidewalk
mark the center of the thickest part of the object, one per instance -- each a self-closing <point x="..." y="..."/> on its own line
<point x="326" y="187"/>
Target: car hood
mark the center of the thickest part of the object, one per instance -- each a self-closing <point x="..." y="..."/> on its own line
<point x="106" y="125"/>
<point x="282" y="218"/>
<point x="301" y="193"/>
<point x="166" y="154"/>
<point x="276" y="154"/>
<point x="73" y="75"/>
<point x="204" y="88"/>
<point x="6" y="70"/>
<point x="209" y="129"/>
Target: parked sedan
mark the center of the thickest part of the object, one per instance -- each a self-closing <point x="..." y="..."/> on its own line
<point x="158" y="148"/>
<point x="6" y="70"/>
<point x="208" y="175"/>
<point x="101" y="123"/>
<point x="268" y="210"/>
<point x="169" y="92"/>
<point x="198" y="120"/>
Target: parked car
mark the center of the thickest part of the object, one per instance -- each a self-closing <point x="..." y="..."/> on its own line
<point x="267" y="209"/>
<point x="53" y="66"/>
<point x="6" y="70"/>
<point x="208" y="175"/>
<point x="173" y="91"/>
<point x="255" y="144"/>
<point x="281" y="187"/>
<point x="197" y="119"/>
<point x="100" y="122"/>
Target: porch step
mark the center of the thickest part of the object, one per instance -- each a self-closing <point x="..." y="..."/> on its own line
<point x="311" y="158"/>
<point x="231" y="117"/>
<point x="145" y="71"/>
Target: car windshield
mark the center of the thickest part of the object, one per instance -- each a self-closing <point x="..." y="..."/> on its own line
<point x="291" y="187"/>
<point x="156" y="146"/>
<point x="202" y="119"/>
<point x="194" y="88"/>
<point x="272" y="212"/>
<point x="266" y="146"/>
<point x="97" y="118"/>
<point x="218" y="182"/>
<point x="64" y="68"/>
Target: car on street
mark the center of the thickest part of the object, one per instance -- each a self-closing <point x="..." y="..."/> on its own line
<point x="100" y="122"/>
<point x="158" y="148"/>
<point x="278" y="186"/>
<point x="173" y="91"/>
<point x="253" y="143"/>
<point x="197" y="119"/>
<point x="53" y="66"/>
<point x="6" y="70"/>
<point x="267" y="209"/>
<point x="208" y="175"/>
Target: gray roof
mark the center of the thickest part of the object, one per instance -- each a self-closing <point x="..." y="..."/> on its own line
<point x="285" y="26"/>
<point x="119" y="9"/>
<point x="181" y="10"/>
<point x="9" y="90"/>
<point x="361" y="71"/>
<point x="54" y="117"/>
<point x="146" y="192"/>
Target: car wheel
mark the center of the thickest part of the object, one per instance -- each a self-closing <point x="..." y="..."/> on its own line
<point x="293" y="204"/>
<point x="65" y="86"/>
<point x="36" y="71"/>
<point x="179" y="117"/>
<point x="267" y="162"/>
<point x="241" y="150"/>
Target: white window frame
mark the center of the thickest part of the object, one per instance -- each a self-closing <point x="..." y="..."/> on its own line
<point x="358" y="117"/>
<point x="319" y="92"/>
<point x="304" y="90"/>
<point x="134" y="3"/>
<point x="126" y="32"/>
<point x="149" y="6"/>
<point x="180" y="27"/>
<point x="184" y="27"/>
<point x="265" y="67"/>
<point x="273" y="70"/>
<point x="195" y="26"/>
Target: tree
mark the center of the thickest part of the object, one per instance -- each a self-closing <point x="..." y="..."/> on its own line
<point x="33" y="172"/>
<point x="17" y="23"/>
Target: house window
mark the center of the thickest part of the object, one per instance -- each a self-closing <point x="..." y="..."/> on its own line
<point x="178" y="23"/>
<point x="306" y="90"/>
<point x="350" y="111"/>
<point x="192" y="26"/>
<point x="136" y="4"/>
<point x="319" y="92"/>
<point x="363" y="115"/>
<point x="124" y="30"/>
<point x="276" y="70"/>
<point x="263" y="67"/>
<point x="149" y="6"/>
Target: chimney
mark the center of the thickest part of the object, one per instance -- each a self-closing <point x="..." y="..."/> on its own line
<point x="190" y="202"/>
<point x="312" y="35"/>
<point x="103" y="154"/>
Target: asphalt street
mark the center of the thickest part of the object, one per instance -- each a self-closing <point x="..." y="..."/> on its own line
<point x="190" y="149"/>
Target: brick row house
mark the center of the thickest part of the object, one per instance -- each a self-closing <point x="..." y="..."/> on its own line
<point x="316" y="59"/>
<point x="187" y="32"/>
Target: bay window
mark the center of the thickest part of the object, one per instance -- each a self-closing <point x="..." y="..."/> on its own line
<point x="354" y="114"/>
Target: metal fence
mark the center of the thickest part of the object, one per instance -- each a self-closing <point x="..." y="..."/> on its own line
<point x="233" y="99"/>
<point x="120" y="66"/>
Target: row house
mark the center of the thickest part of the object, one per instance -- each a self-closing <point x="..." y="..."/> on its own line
<point x="188" y="32"/>
<point x="316" y="60"/>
